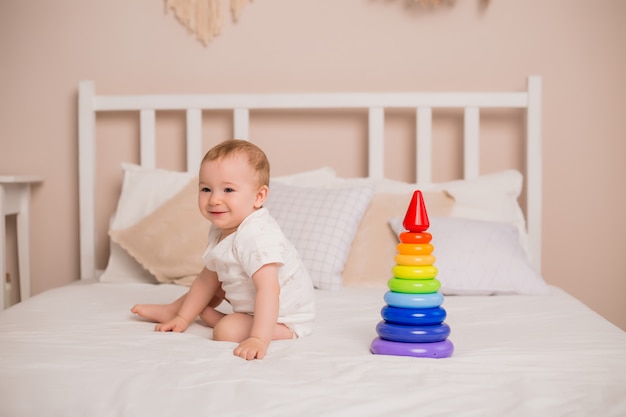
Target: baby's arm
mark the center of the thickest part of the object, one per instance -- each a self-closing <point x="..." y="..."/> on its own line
<point x="265" y="313"/>
<point x="196" y="300"/>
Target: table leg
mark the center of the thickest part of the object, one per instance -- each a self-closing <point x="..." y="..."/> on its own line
<point x="23" y="243"/>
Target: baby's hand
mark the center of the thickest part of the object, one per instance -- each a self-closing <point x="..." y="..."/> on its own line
<point x="251" y="348"/>
<point x="177" y="324"/>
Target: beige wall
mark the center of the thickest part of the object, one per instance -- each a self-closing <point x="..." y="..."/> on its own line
<point x="327" y="45"/>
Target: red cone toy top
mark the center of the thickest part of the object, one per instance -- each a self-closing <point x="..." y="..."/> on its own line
<point x="416" y="218"/>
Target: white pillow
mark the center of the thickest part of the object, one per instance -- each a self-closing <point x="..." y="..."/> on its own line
<point x="321" y="177"/>
<point x="492" y="197"/>
<point x="143" y="190"/>
<point x="476" y="257"/>
<point x="321" y="224"/>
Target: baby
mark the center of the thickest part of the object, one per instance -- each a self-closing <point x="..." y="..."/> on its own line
<point x="248" y="261"/>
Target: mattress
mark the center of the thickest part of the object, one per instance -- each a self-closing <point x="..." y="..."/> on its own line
<point x="78" y="351"/>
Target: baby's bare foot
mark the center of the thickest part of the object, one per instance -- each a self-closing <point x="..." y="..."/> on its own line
<point x="159" y="313"/>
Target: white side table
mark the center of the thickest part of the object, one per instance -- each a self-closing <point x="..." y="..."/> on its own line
<point x="15" y="199"/>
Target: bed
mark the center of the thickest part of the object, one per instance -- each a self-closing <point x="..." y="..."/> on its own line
<point x="521" y="346"/>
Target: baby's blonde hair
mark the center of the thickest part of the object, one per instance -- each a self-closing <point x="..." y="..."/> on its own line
<point x="256" y="157"/>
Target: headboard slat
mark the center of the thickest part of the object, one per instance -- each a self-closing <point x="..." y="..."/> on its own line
<point x="194" y="139"/>
<point x="147" y="129"/>
<point x="424" y="129"/>
<point x="376" y="150"/>
<point x="241" y="123"/>
<point x="471" y="134"/>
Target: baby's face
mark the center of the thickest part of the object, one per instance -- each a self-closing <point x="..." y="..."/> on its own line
<point x="229" y="192"/>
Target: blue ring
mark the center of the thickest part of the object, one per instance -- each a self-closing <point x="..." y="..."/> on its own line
<point x="413" y="316"/>
<point x="413" y="334"/>
<point x="396" y="299"/>
<point x="443" y="349"/>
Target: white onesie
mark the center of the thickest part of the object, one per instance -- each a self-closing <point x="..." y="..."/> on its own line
<point x="259" y="241"/>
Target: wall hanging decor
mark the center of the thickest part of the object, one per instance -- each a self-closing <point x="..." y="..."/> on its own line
<point x="203" y="18"/>
<point x="435" y="3"/>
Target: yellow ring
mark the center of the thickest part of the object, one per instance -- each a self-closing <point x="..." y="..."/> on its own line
<point x="415" y="248"/>
<point x="414" y="260"/>
<point x="414" y="272"/>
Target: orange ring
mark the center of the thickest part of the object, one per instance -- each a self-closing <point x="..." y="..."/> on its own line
<point x="414" y="237"/>
<point x="415" y="260"/>
<point x="415" y="248"/>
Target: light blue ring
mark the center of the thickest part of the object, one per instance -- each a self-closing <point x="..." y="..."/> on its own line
<point x="396" y="299"/>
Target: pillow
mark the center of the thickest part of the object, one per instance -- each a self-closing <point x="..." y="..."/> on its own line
<point x="145" y="189"/>
<point x="321" y="177"/>
<point x="170" y="241"/>
<point x="476" y="257"/>
<point x="372" y="252"/>
<point x="492" y="197"/>
<point x="321" y="224"/>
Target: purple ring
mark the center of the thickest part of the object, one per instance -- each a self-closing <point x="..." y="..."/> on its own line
<point x="443" y="349"/>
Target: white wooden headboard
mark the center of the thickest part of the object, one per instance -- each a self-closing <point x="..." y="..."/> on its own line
<point x="375" y="104"/>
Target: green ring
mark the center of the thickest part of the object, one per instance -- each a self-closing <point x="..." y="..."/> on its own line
<point x="414" y="286"/>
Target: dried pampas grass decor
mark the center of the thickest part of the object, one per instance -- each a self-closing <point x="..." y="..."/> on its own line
<point x="203" y="17"/>
<point x="435" y="3"/>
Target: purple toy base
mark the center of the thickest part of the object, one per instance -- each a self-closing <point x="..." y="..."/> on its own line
<point x="443" y="349"/>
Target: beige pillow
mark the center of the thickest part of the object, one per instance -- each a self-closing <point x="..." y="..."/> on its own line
<point x="170" y="241"/>
<point x="373" y="250"/>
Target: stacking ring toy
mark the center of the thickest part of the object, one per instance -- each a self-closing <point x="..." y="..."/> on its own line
<point x="401" y="300"/>
<point x="443" y="349"/>
<point x="414" y="286"/>
<point x="414" y="272"/>
<point x="415" y="248"/>
<point x="413" y="316"/>
<point x="414" y="260"/>
<point x="413" y="237"/>
<point x="413" y="334"/>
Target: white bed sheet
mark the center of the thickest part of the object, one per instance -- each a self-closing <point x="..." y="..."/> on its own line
<point x="77" y="351"/>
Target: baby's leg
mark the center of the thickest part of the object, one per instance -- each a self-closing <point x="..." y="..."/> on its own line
<point x="210" y="316"/>
<point x="236" y="327"/>
<point x="159" y="313"/>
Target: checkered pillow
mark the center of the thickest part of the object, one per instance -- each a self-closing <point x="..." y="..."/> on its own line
<point x="321" y="224"/>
